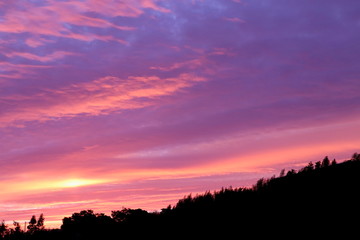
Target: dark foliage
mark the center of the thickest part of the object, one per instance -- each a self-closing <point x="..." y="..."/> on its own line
<point x="319" y="200"/>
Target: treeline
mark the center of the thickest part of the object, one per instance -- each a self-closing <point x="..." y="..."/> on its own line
<point x="321" y="198"/>
<point x="35" y="229"/>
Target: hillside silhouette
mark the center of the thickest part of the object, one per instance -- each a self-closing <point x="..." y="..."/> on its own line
<point x="319" y="200"/>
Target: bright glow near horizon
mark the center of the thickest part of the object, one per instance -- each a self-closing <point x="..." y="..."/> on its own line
<point x="76" y="183"/>
<point x="107" y="104"/>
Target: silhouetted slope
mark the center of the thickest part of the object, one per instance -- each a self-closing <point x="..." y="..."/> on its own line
<point x="320" y="200"/>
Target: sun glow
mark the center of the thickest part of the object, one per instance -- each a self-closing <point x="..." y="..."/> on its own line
<point x="71" y="183"/>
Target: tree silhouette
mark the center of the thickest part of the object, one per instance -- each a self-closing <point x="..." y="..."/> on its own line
<point x="333" y="163"/>
<point x="17" y="227"/>
<point x="88" y="225"/>
<point x="291" y="172"/>
<point x="261" y="183"/>
<point x="355" y="157"/>
<point x="40" y="222"/>
<point x="282" y="172"/>
<point x="308" y="168"/>
<point x="3" y="229"/>
<point x="36" y="225"/>
<point x="325" y="162"/>
<point x="32" y="227"/>
<point x="128" y="214"/>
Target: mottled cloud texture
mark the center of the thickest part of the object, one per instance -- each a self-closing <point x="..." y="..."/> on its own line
<point x="107" y="103"/>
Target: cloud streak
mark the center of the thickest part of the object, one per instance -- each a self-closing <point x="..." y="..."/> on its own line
<point x="101" y="96"/>
<point x="47" y="58"/>
<point x="58" y="18"/>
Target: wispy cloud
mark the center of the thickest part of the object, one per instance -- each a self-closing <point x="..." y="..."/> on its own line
<point x="17" y="71"/>
<point x="190" y="64"/>
<point x="235" y="19"/>
<point x="47" y="58"/>
<point x="60" y="18"/>
<point x="98" y="97"/>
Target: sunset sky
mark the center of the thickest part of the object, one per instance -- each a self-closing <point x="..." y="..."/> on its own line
<point x="107" y="104"/>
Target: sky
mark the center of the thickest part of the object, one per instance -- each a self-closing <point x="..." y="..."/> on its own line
<point x="106" y="104"/>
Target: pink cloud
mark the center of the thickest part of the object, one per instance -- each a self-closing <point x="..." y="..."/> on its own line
<point x="152" y="5"/>
<point x="47" y="58"/>
<point x="222" y="52"/>
<point x="202" y="60"/>
<point x="101" y="96"/>
<point x="235" y="19"/>
<point x="70" y="13"/>
<point x="51" y="18"/>
<point x="36" y="42"/>
<point x="239" y="1"/>
<point x="18" y="71"/>
<point x="190" y="64"/>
